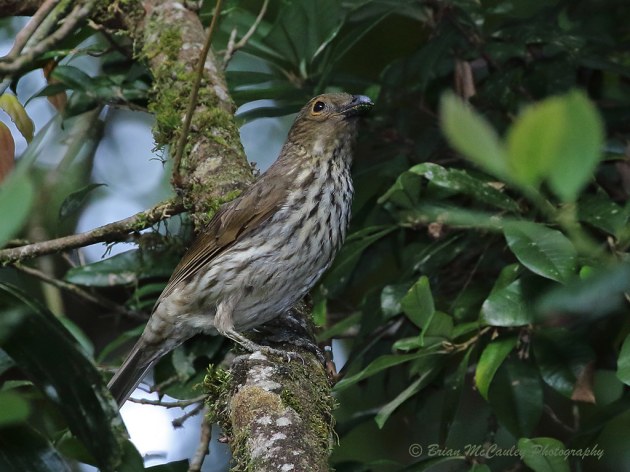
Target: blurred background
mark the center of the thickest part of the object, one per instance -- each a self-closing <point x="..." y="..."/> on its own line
<point x="475" y="305"/>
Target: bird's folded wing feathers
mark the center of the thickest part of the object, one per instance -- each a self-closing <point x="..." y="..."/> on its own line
<point x="231" y="222"/>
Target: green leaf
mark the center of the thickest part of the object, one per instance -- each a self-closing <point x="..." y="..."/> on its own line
<point x="125" y="268"/>
<point x="491" y="359"/>
<point x="516" y="396"/>
<point x="580" y="148"/>
<point x="508" y="274"/>
<point x="65" y="376"/>
<point x="349" y="256"/>
<point x="479" y="468"/>
<point x="73" y="202"/>
<point x="386" y="411"/>
<point x="73" y="77"/>
<point x="432" y="464"/>
<point x="454" y="386"/>
<point x="559" y="139"/>
<point x="601" y="212"/>
<point x="405" y="192"/>
<point x="461" y="182"/>
<point x="440" y="328"/>
<point x="378" y="365"/>
<point x="6" y="362"/>
<point x="544" y="251"/>
<point x="16" y="198"/>
<point x="320" y="311"/>
<point x="13" y="409"/>
<point x="23" y="449"/>
<point x="418" y="304"/>
<point x="600" y="293"/>
<point x="391" y="297"/>
<point x="534" y="141"/>
<point x="301" y="31"/>
<point x="623" y="362"/>
<point x="471" y="135"/>
<point x="561" y="359"/>
<point x="407" y="344"/>
<point x="239" y="78"/>
<point x="543" y="454"/>
<point x="506" y="307"/>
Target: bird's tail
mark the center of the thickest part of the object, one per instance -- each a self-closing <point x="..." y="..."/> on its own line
<point x="129" y="375"/>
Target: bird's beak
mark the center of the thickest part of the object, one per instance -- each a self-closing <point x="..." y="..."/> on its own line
<point x="357" y="106"/>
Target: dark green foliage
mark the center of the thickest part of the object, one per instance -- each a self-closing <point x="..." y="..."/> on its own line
<point x="506" y="273"/>
<point x="482" y="294"/>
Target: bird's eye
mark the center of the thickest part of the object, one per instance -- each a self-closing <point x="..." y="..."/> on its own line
<point x="319" y="107"/>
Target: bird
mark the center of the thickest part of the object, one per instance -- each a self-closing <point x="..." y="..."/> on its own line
<point x="265" y="250"/>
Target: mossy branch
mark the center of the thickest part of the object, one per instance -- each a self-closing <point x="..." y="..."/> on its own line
<point x="111" y="232"/>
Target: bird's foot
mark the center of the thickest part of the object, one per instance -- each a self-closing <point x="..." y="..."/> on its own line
<point x="251" y="346"/>
<point x="292" y="329"/>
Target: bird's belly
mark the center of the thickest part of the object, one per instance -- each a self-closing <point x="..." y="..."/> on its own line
<point x="268" y="271"/>
<point x="273" y="284"/>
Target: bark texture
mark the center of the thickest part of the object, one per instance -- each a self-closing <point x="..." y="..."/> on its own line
<point x="280" y="414"/>
<point x="214" y="167"/>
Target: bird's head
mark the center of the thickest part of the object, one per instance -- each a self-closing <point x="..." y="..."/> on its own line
<point x="327" y="120"/>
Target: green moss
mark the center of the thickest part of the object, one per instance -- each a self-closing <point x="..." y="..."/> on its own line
<point x="216" y="384"/>
<point x="171" y="82"/>
<point x="309" y="395"/>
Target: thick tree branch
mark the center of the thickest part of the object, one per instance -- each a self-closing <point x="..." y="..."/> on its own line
<point x="108" y="233"/>
<point x="192" y="102"/>
<point x="277" y="413"/>
<point x="214" y="168"/>
<point x="280" y="414"/>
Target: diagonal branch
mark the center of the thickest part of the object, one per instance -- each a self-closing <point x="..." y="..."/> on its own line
<point x="14" y="63"/>
<point x="108" y="233"/>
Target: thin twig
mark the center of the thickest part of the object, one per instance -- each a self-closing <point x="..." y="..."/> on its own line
<point x="232" y="48"/>
<point x="76" y="16"/>
<point x="557" y="420"/>
<point x="175" y="404"/>
<point x="107" y="233"/>
<point x="229" y="50"/>
<point x="25" y="33"/>
<point x="79" y="292"/>
<point x="181" y="144"/>
<point x="179" y="422"/>
<point x="162" y="385"/>
<point x="196" y="461"/>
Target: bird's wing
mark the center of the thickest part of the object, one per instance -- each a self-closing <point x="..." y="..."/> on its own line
<point x="231" y="222"/>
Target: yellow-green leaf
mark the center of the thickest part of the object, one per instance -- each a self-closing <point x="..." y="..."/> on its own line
<point x="558" y="140"/>
<point x="470" y="134"/>
<point x="10" y="104"/>
<point x="491" y="359"/>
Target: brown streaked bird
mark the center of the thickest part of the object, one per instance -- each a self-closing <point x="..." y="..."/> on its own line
<point x="264" y="251"/>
